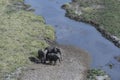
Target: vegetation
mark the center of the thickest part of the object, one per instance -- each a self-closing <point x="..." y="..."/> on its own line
<point x="95" y="72"/>
<point x="21" y="35"/>
<point x="106" y="13"/>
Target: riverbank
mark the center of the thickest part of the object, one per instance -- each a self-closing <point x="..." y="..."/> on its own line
<point x="21" y="34"/>
<point x="102" y="14"/>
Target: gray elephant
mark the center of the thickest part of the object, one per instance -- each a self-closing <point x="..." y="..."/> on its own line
<point x="51" y="54"/>
<point x="41" y="56"/>
<point x="52" y="57"/>
<point x="54" y="50"/>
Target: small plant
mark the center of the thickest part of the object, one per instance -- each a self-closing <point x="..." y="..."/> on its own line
<point x="92" y="73"/>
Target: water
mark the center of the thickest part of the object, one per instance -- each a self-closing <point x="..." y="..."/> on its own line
<point x="79" y="34"/>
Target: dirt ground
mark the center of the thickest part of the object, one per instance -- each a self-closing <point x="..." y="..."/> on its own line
<point x="75" y="63"/>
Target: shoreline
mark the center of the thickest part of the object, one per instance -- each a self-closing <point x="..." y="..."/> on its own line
<point x="107" y="35"/>
<point x="24" y="33"/>
<point x="72" y="15"/>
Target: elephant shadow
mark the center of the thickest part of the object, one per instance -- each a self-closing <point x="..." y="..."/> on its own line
<point x="37" y="61"/>
<point x="34" y="60"/>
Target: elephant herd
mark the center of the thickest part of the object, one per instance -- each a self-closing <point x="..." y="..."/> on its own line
<point x="50" y="54"/>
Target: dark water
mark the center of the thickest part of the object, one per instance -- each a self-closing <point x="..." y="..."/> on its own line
<point x="79" y="34"/>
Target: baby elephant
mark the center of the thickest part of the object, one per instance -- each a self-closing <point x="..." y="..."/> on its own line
<point x="53" y="57"/>
<point x="41" y="56"/>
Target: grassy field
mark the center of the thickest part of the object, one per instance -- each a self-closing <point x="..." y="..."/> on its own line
<point x="106" y="13"/>
<point x="21" y="35"/>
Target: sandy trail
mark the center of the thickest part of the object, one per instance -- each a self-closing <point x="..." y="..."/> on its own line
<point x="73" y="67"/>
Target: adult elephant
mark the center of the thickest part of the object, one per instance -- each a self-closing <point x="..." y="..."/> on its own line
<point x="53" y="50"/>
<point x="52" y="57"/>
<point x="50" y="54"/>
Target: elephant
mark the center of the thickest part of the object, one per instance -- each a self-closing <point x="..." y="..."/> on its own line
<point x="50" y="54"/>
<point x="54" y="50"/>
<point x="41" y="56"/>
<point x="52" y="57"/>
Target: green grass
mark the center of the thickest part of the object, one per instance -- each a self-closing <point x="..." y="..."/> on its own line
<point x="107" y="16"/>
<point x="92" y="73"/>
<point x="21" y="33"/>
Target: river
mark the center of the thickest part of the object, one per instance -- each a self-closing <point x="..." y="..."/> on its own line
<point x="82" y="35"/>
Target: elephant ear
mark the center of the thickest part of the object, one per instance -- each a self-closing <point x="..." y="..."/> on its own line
<point x="45" y="51"/>
<point x="59" y="50"/>
<point x="55" y="49"/>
